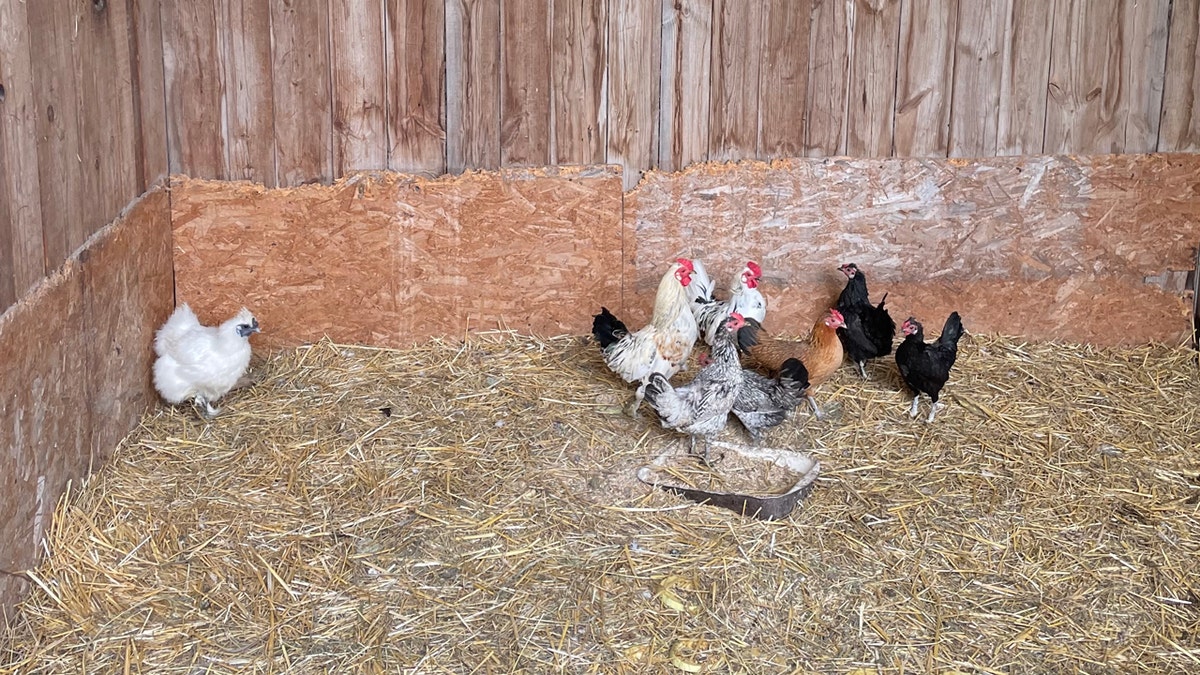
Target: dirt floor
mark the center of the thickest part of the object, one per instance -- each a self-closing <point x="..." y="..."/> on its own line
<point x="472" y="507"/>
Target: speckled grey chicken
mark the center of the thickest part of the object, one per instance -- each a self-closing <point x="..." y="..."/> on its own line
<point x="764" y="402"/>
<point x="701" y="407"/>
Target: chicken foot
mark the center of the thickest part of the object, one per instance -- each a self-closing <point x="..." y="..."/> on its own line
<point x="209" y="411"/>
<point x="640" y="394"/>
<point x="815" y="408"/>
<point x="933" y="411"/>
<point x="934" y="406"/>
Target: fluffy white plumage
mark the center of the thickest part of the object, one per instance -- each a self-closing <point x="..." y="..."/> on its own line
<point x="661" y="346"/>
<point x="201" y="362"/>
<point x="744" y="298"/>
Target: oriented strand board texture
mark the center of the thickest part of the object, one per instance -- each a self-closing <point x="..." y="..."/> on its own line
<point x="1046" y="247"/>
<point x="75" y="378"/>
<point x="392" y="260"/>
<point x="44" y="422"/>
<point x="129" y="291"/>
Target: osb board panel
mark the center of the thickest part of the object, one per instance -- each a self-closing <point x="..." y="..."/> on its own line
<point x="128" y="291"/>
<point x="1047" y="247"/>
<point x="383" y="259"/>
<point x="44" y="421"/>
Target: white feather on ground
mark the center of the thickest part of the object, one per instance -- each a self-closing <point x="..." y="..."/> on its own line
<point x="201" y="362"/>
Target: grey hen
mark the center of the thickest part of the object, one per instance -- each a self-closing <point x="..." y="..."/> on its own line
<point x="764" y="402"/>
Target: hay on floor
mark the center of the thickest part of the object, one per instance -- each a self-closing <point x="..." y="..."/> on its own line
<point x="473" y="508"/>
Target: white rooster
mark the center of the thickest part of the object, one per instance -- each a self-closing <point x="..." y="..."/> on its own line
<point x="744" y="298"/>
<point x="661" y="346"/>
<point x="201" y="362"/>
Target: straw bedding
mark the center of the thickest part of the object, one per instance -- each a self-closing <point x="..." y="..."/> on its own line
<point x="1048" y="521"/>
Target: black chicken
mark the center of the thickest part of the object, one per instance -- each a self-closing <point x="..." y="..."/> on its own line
<point x="926" y="367"/>
<point x="869" y="330"/>
<point x="764" y="402"/>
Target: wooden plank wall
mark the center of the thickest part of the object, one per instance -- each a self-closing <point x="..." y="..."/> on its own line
<point x="300" y="91"/>
<point x="82" y="127"/>
<point x="319" y="88"/>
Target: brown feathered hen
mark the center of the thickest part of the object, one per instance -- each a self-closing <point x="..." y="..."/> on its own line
<point x="820" y="352"/>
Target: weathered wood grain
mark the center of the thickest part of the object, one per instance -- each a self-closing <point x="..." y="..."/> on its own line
<point x="525" y="127"/>
<point x="1046" y="247"/>
<point x="416" y="73"/>
<point x="871" y="101"/>
<point x="300" y="64"/>
<point x="249" y="91"/>
<point x="924" y="77"/>
<point x="1148" y="25"/>
<point x="578" y="65"/>
<point x="1105" y="53"/>
<point x="150" y="113"/>
<point x="634" y="61"/>
<point x="472" y="85"/>
<point x="783" y="89"/>
<point x="685" y="85"/>
<point x="359" y="86"/>
<point x="1024" y="76"/>
<point x="829" y="78"/>
<point x="21" y="252"/>
<point x="1180" y="130"/>
<point x="195" y="88"/>
<point x="108" y="146"/>
<point x="978" y="65"/>
<point x="60" y="179"/>
<point x="734" y="95"/>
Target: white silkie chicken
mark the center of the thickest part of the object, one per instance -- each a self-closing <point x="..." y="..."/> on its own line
<point x="198" y="362"/>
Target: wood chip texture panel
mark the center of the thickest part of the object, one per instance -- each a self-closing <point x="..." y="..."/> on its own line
<point x="75" y="377"/>
<point x="393" y="260"/>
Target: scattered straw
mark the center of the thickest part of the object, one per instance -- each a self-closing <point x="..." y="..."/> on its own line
<point x="1049" y="521"/>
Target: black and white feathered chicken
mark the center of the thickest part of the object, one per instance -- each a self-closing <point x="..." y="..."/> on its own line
<point x="869" y="329"/>
<point x="701" y="407"/>
<point x="201" y="363"/>
<point x="744" y="298"/>
<point x="764" y="402"/>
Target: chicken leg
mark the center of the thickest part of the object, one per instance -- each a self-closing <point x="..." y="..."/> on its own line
<point x="209" y="411"/>
<point x="862" y="369"/>
<point x="816" y="408"/>
<point x="912" y="412"/>
<point x="933" y="411"/>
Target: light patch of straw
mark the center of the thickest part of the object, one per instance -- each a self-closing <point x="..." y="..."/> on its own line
<point x="1048" y="521"/>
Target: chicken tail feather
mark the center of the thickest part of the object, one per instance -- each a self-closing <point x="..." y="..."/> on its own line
<point x="794" y="375"/>
<point x="952" y="331"/>
<point x="607" y="329"/>
<point x="881" y="301"/>
<point x="656" y="386"/>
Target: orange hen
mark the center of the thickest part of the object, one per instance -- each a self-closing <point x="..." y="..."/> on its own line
<point x="820" y="352"/>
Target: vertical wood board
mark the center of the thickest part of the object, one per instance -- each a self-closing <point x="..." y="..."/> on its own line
<point x="417" y="63"/>
<point x="472" y="85"/>
<point x="579" y="61"/>
<point x="871" y="98"/>
<point x="634" y="55"/>
<point x="359" y="86"/>
<point x="301" y="70"/>
<point x="925" y="77"/>
<point x="249" y="91"/>
<point x="525" y="128"/>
